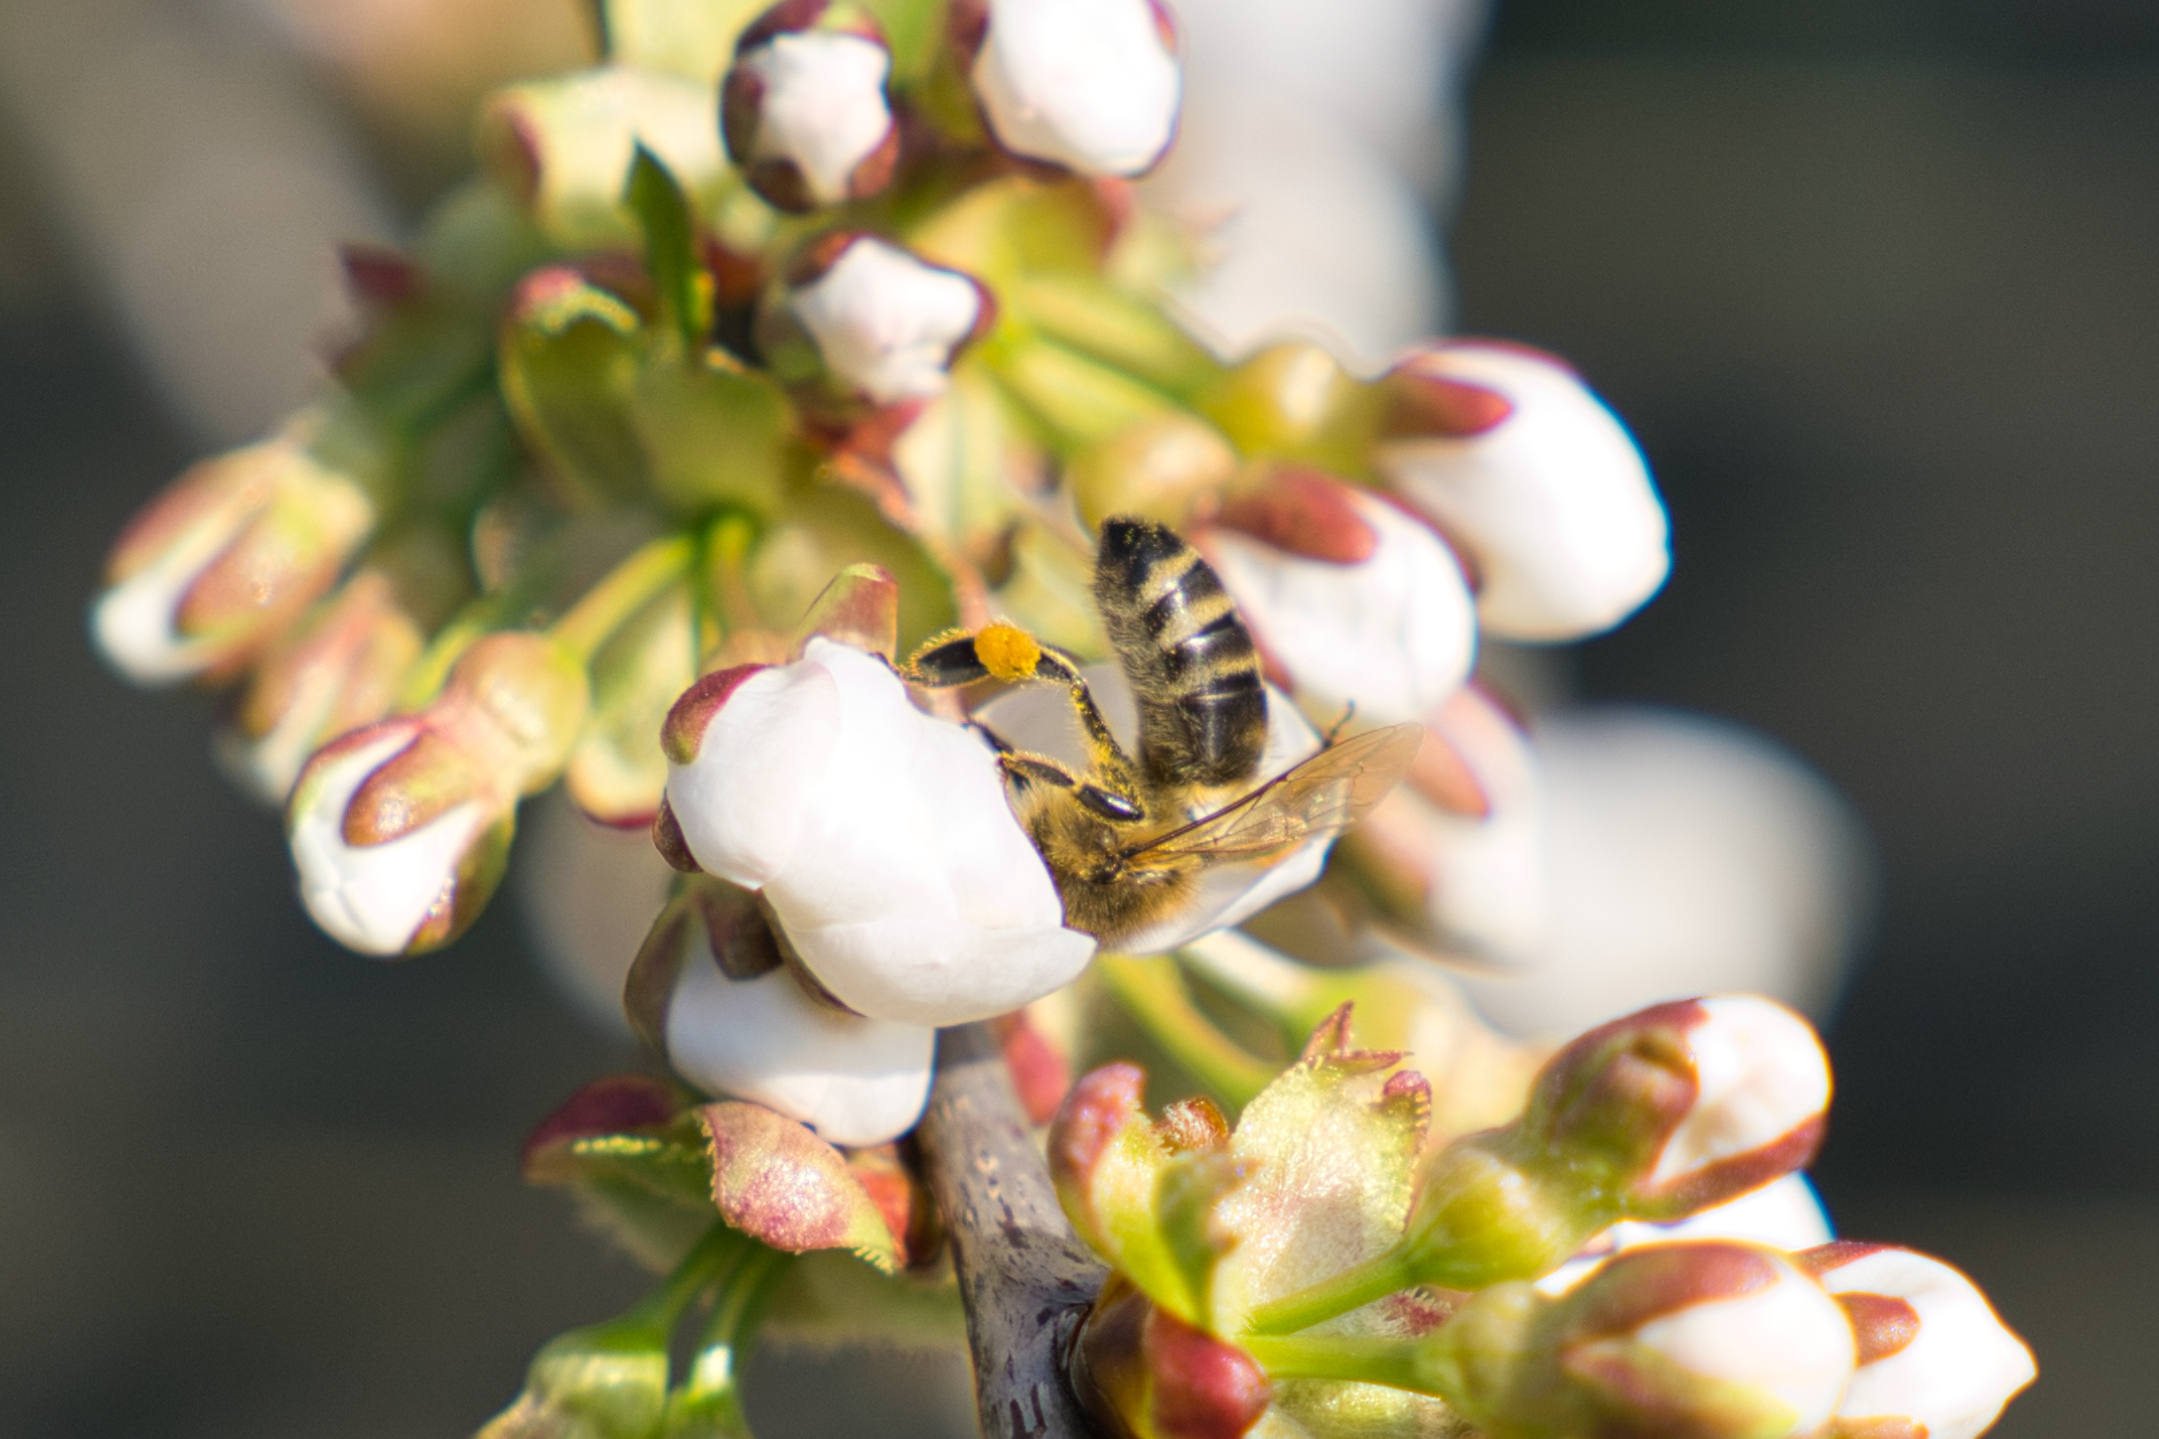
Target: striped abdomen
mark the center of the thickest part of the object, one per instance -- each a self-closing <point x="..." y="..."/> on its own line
<point x="1191" y="662"/>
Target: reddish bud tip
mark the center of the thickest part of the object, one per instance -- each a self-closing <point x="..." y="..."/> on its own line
<point x="1304" y="513"/>
<point x="683" y="734"/>
<point x="1424" y="405"/>
<point x="667" y="839"/>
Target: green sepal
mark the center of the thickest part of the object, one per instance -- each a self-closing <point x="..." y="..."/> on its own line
<point x="1080" y="400"/>
<point x="829" y="1298"/>
<point x="691" y="38"/>
<point x="617" y="772"/>
<point x="608" y="1381"/>
<point x="1116" y="327"/>
<point x="1018" y="228"/>
<point x="570" y="357"/>
<point x="714" y="433"/>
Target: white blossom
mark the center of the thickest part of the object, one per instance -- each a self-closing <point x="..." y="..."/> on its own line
<point x="880" y="837"/>
<point x="853" y="1080"/>
<point x="1552" y="505"/>
<point x="885" y="323"/>
<point x="1393" y="634"/>
<point x="1089" y="84"/>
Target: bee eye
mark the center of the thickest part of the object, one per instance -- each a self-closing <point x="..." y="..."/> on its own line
<point x="1110" y="806"/>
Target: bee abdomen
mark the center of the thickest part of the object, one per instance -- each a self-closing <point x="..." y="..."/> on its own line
<point x="1192" y="664"/>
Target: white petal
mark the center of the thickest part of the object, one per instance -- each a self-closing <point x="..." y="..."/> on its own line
<point x="853" y="1080"/>
<point x="886" y="323"/>
<point x="760" y="766"/>
<point x="587" y="894"/>
<point x="1782" y="1215"/>
<point x="134" y="621"/>
<point x="1489" y="890"/>
<point x="1553" y="506"/>
<point x="1307" y="232"/>
<point x="1393" y="635"/>
<point x="1085" y="83"/>
<point x="1961" y="1369"/>
<point x="914" y="894"/>
<point x="1761" y="1074"/>
<point x="1788" y="1338"/>
<point x="1683" y="856"/>
<point x="372" y="898"/>
<point x="824" y="105"/>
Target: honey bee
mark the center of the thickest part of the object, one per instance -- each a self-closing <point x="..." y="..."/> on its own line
<point x="1128" y="841"/>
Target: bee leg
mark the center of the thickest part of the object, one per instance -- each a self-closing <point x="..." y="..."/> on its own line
<point x="946" y="662"/>
<point x="1098" y="800"/>
<point x="1058" y="668"/>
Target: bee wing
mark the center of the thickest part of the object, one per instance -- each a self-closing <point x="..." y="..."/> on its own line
<point x="1325" y="795"/>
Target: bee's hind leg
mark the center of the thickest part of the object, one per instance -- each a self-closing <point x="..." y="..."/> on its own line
<point x="946" y="662"/>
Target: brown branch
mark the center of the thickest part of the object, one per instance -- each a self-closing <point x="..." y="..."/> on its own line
<point x="1024" y="1276"/>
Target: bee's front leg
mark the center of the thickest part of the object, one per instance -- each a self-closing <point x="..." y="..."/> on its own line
<point x="1099" y="800"/>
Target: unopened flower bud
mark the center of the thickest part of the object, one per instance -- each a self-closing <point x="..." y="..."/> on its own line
<point x="1356" y="602"/>
<point x="1535" y="482"/>
<point x="1170" y="469"/>
<point x="871" y="321"/>
<point x="336" y="671"/>
<point x="879" y="837"/>
<point x="564" y="146"/>
<point x="226" y="558"/>
<point x="712" y="994"/>
<point x="400" y="831"/>
<point x="804" y="107"/>
<point x="1712" y="1340"/>
<point x="1654" y="1116"/>
<point x="1092" y="85"/>
<point x="1143" y="1373"/>
<point x="1294" y="401"/>
<point x="1716" y="1340"/>
<point x="1935" y="1360"/>
<point x="1456" y="854"/>
<point x="1684" y="1105"/>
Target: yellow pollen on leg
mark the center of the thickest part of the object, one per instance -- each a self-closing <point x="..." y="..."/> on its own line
<point x="1007" y="651"/>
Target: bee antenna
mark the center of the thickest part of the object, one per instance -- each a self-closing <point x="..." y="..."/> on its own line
<point x="1349" y="712"/>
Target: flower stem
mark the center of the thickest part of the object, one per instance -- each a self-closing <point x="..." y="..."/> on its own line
<point x="1360" y="1284"/>
<point x="628" y="588"/>
<point x="1153" y="992"/>
<point x="1357" y="1359"/>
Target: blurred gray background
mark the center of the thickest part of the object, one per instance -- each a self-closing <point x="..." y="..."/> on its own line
<point x="1876" y="282"/>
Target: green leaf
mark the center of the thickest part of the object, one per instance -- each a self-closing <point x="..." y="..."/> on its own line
<point x="663" y="213"/>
